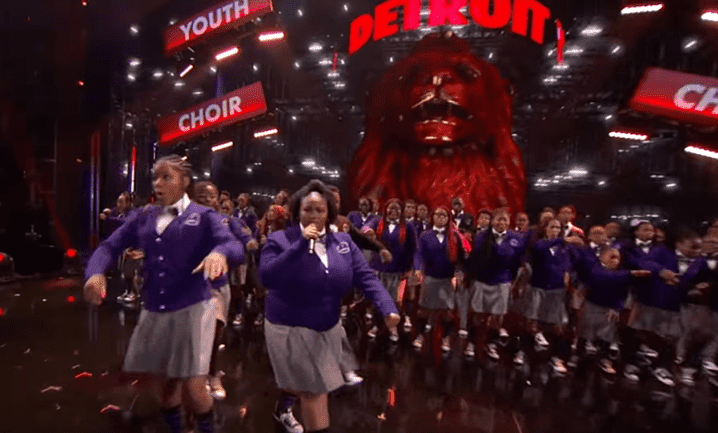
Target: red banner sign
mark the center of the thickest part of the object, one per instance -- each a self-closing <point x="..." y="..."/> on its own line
<point x="213" y="21"/>
<point x="241" y="104"/>
<point x="492" y="14"/>
<point x="686" y="97"/>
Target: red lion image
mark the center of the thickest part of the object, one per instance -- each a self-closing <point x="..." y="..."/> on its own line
<point x="439" y="125"/>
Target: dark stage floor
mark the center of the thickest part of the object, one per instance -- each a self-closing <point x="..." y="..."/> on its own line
<point x="55" y="380"/>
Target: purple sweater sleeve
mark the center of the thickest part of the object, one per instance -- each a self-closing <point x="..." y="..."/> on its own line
<point x="273" y="259"/>
<point x="366" y="280"/>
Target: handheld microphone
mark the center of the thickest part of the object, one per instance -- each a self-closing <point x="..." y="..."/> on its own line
<point x="311" y="246"/>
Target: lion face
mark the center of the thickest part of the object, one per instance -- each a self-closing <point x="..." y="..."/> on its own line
<point x="439" y="125"/>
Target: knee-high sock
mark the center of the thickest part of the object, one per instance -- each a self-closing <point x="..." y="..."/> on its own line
<point x="173" y="418"/>
<point x="205" y="422"/>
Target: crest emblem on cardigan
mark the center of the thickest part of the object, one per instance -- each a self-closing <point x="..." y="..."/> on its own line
<point x="514" y="243"/>
<point x="225" y="221"/>
<point x="193" y="220"/>
<point x="343" y="248"/>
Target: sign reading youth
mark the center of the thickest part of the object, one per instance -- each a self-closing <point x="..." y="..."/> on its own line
<point x="492" y="14"/>
<point x="686" y="97"/>
<point x="233" y="107"/>
<point x="212" y="22"/>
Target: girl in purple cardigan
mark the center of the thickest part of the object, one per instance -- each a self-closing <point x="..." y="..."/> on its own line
<point x="307" y="270"/>
<point x="185" y="245"/>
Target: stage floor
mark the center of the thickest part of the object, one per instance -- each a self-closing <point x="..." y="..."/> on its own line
<point x="54" y="379"/>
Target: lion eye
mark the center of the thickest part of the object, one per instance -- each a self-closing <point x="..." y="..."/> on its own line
<point x="467" y="71"/>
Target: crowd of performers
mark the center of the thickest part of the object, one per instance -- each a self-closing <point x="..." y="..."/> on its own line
<point x="637" y="301"/>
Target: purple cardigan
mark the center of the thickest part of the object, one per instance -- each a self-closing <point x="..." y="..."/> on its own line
<point x="302" y="292"/>
<point x="435" y="257"/>
<point x="405" y="257"/>
<point x="549" y="268"/>
<point x="170" y="257"/>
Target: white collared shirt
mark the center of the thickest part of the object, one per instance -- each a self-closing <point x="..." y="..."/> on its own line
<point x="645" y="249"/>
<point x="440" y="236"/>
<point x="320" y="249"/>
<point x="392" y="227"/>
<point x="683" y="263"/>
<point x="165" y="218"/>
<point x="500" y="236"/>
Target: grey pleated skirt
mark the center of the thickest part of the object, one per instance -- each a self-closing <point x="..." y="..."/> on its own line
<point x="550" y="306"/>
<point x="695" y="318"/>
<point x="489" y="299"/>
<point x="437" y="294"/>
<point x="391" y="282"/>
<point x="177" y="344"/>
<point x="595" y="324"/>
<point x="305" y="360"/>
<point x="664" y="323"/>
<point x="222" y="298"/>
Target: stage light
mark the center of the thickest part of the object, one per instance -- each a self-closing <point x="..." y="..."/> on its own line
<point x="213" y="69"/>
<point x="296" y="64"/>
<point x="294" y="118"/>
<point x="690" y="44"/>
<point x="173" y="21"/>
<point x="346" y="7"/>
<point x="222" y="146"/>
<point x="135" y="62"/>
<point x="701" y="151"/>
<point x="255" y="67"/>
<point x="249" y="170"/>
<point x="84" y="2"/>
<point x="206" y="174"/>
<point x="617" y="49"/>
<point x="184" y="158"/>
<point x="134" y="29"/>
<point x="325" y="61"/>
<point x="578" y="172"/>
<point x="271" y="36"/>
<point x="80" y="83"/>
<point x="309" y="163"/>
<point x="179" y="84"/>
<point x="226" y="53"/>
<point x="266" y="132"/>
<point x="7" y="268"/>
<point x="602" y="183"/>
<point x="573" y="50"/>
<point x="671" y="185"/>
<point x="158" y="74"/>
<point x="710" y="16"/>
<point x="186" y="71"/>
<point x="131" y="78"/>
<point x="300" y="13"/>
<point x="550" y="80"/>
<point x="315" y="47"/>
<point x="72" y="262"/>
<point x="333" y="74"/>
<point x="290" y="171"/>
<point x="592" y="31"/>
<point x="560" y="67"/>
<point x="628" y="135"/>
<point x="642" y="9"/>
<point x="198" y="92"/>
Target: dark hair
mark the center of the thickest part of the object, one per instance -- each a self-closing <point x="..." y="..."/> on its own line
<point x="314" y="185"/>
<point x="485" y="211"/>
<point x="636" y="224"/>
<point x="179" y="164"/>
<point x="548" y="209"/>
<point x="231" y="203"/>
<point x="409" y="201"/>
<point x="226" y="193"/>
<point x="333" y="188"/>
<point x="204" y="184"/>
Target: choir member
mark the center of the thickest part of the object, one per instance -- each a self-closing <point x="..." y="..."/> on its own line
<point x="495" y="254"/>
<point x="483" y="219"/>
<point x="363" y="217"/>
<point x="187" y="252"/>
<point x="458" y="214"/>
<point x="401" y="240"/>
<point x="567" y="215"/>
<point x="245" y="211"/>
<point x="442" y="251"/>
<point x="307" y="270"/>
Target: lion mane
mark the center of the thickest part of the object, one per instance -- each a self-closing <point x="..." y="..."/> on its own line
<point x="438" y="125"/>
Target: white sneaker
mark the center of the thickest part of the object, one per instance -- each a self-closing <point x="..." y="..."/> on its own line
<point x="238" y="320"/>
<point x="710" y="367"/>
<point x="664" y="376"/>
<point x="503" y="333"/>
<point x="591" y="349"/>
<point x="290" y="424"/>
<point x="419" y="342"/>
<point x="352" y="379"/>
<point x="131" y="297"/>
<point x="686" y="376"/>
<point x="344" y="312"/>
<point x="446" y="344"/>
<point x="631" y="373"/>
<point x="372" y="332"/>
<point x="121" y="298"/>
<point x="463" y="334"/>
<point x="491" y="351"/>
<point x="394" y="335"/>
<point x="520" y="358"/>
<point x="368" y="316"/>
<point x="407" y="325"/>
<point x="541" y="340"/>
<point x="470" y="350"/>
<point x="647" y="351"/>
<point x="216" y="388"/>
<point x="607" y="366"/>
<point x="558" y="366"/>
